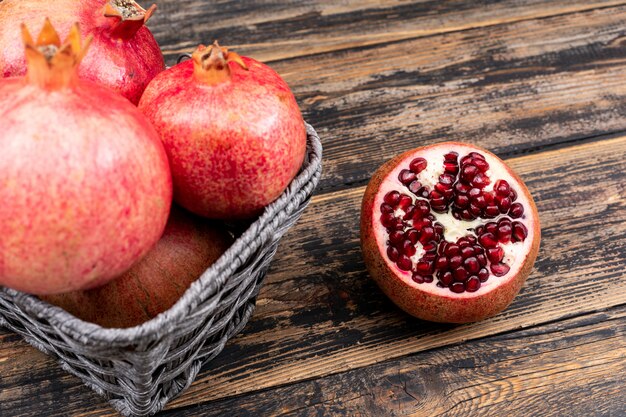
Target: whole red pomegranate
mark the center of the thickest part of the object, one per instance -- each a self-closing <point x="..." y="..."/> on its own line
<point x="187" y="248"/>
<point x="84" y="179"/>
<point x="232" y="130"/>
<point x="124" y="55"/>
<point x="449" y="232"/>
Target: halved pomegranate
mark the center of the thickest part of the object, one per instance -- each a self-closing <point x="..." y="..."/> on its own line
<point x="449" y="232"/>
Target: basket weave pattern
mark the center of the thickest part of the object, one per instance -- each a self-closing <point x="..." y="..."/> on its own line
<point x="140" y="369"/>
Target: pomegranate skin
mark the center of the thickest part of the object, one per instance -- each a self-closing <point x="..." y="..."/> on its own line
<point x="123" y="65"/>
<point x="85" y="185"/>
<point x="187" y="248"/>
<point x="444" y="308"/>
<point x="234" y="146"/>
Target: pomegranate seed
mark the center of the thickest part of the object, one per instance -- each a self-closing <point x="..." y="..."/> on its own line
<point x="446" y="179"/>
<point x="418" y="278"/>
<point x="440" y="285"/>
<point x="491" y="227"/>
<point x="468" y="173"/>
<point x="424" y="267"/>
<point x="471" y="239"/>
<point x="447" y="278"/>
<point x="476" y="155"/>
<point x="480" y="230"/>
<point x="392" y="198"/>
<point x="451" y="156"/>
<point x="423" y="192"/>
<point x="472" y="265"/>
<point x="463" y="242"/>
<point x="495" y="255"/>
<point x="467" y="251"/>
<point x="442" y="247"/>
<point x="504" y="203"/>
<point x="428" y="278"/>
<point x="504" y="220"/>
<point x="455" y="261"/>
<point x="513" y="195"/>
<point x="430" y="257"/>
<point x="393" y="254"/>
<point x="388" y="220"/>
<point x="412" y="235"/>
<point x="442" y="263"/>
<point x="504" y="233"/>
<point x="438" y="229"/>
<point x="483" y="274"/>
<point x="406" y="177"/>
<point x="488" y="240"/>
<point x="481" y="180"/>
<point x="418" y="165"/>
<point x="443" y="189"/>
<point x="461" y="200"/>
<point x="480" y="201"/>
<point x="460" y="274"/>
<point x="396" y="237"/>
<point x="427" y="234"/>
<point x="404" y="263"/>
<point x="516" y="210"/>
<point x="467" y="215"/>
<point x="415" y="186"/>
<point x="408" y="249"/>
<point x="448" y="194"/>
<point x="451" y="168"/>
<point x="462" y="188"/>
<point x="405" y="201"/>
<point x="457" y="287"/>
<point x="502" y="188"/>
<point x="489" y="198"/>
<point x="422" y="224"/>
<point x="492" y="211"/>
<point x="519" y="232"/>
<point x="423" y="207"/>
<point x="453" y="249"/>
<point x="472" y="284"/>
<point x="481" y="164"/>
<point x="430" y="247"/>
<point x="500" y="270"/>
<point x="477" y="248"/>
<point x="474" y="192"/>
<point x="386" y="208"/>
<point x="482" y="259"/>
<point x="475" y="210"/>
<point x="409" y="212"/>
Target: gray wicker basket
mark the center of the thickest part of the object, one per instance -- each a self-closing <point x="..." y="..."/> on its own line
<point x="140" y="369"/>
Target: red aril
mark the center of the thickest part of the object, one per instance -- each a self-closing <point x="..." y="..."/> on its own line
<point x="471" y="245"/>
<point x="84" y="179"/>
<point x="187" y="248"/>
<point x="124" y="55"/>
<point x="232" y="129"/>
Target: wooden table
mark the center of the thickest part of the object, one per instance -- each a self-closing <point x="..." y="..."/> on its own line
<point x="543" y="85"/>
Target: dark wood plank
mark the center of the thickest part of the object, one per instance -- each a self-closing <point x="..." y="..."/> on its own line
<point x="513" y="88"/>
<point x="274" y="29"/>
<point x="320" y="314"/>
<point x="572" y="368"/>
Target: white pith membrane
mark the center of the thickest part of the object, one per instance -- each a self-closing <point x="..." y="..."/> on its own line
<point x="515" y="253"/>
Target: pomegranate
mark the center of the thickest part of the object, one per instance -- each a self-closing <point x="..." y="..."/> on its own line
<point x="187" y="248"/>
<point x="124" y="55"/>
<point x="232" y="130"/>
<point x="449" y="232"/>
<point x="84" y="178"/>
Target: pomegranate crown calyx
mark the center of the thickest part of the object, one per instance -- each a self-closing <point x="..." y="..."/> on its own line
<point x="50" y="62"/>
<point x="130" y="17"/>
<point x="211" y="63"/>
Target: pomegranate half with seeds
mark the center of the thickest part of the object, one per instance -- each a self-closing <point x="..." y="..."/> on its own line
<point x="449" y="232"/>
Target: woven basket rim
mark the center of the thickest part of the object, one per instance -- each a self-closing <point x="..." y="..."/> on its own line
<point x="213" y="278"/>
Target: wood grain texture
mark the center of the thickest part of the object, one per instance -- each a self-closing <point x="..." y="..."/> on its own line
<point x="376" y="79"/>
<point x="320" y="314"/>
<point x="572" y="368"/>
<point x="280" y="29"/>
<point x="513" y="88"/>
